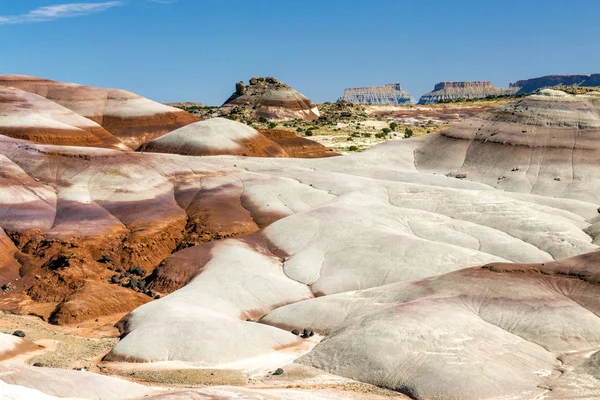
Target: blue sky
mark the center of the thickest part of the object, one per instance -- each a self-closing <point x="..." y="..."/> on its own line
<point x="195" y="50"/>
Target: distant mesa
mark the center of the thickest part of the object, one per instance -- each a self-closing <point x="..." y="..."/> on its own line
<point x="270" y="99"/>
<point x="222" y="136"/>
<point x="388" y="94"/>
<point x="131" y="118"/>
<point x="531" y="85"/>
<point x="463" y="90"/>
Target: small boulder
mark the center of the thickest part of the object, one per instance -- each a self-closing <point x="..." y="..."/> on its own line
<point x="296" y="332"/>
<point x="278" y="371"/>
<point x="114" y="279"/>
<point x="137" y="271"/>
<point x="20" y="334"/>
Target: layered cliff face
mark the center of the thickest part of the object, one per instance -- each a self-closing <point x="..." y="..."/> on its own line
<point x="389" y="94"/>
<point x="531" y="85"/>
<point x="463" y="90"/>
<point x="268" y="98"/>
<point x="131" y="118"/>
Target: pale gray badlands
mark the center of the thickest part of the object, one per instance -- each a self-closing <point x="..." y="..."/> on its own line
<point x="458" y="265"/>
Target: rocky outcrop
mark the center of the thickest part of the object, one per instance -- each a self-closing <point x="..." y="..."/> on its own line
<point x="131" y="118"/>
<point x="463" y="90"/>
<point x="531" y="85"/>
<point x="268" y="98"/>
<point x="389" y="94"/>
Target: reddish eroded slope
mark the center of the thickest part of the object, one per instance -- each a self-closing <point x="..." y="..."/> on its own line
<point x="130" y="117"/>
<point x="24" y="115"/>
<point x="79" y="216"/>
<point x="296" y="146"/>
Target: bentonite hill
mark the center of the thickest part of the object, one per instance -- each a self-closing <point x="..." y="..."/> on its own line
<point x="462" y="264"/>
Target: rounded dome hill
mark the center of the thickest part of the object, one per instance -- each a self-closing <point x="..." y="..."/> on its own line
<point x="268" y="98"/>
<point x="222" y="136"/>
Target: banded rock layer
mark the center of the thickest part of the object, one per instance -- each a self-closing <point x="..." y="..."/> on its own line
<point x="24" y="115"/>
<point x="547" y="143"/>
<point x="463" y="90"/>
<point x="131" y="118"/>
<point x="388" y="94"/>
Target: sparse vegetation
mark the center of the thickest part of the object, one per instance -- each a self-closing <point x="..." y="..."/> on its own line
<point x="408" y="133"/>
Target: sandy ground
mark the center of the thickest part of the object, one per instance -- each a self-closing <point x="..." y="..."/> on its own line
<point x="67" y="347"/>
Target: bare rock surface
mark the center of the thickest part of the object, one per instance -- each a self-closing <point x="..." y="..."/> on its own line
<point x="492" y="331"/>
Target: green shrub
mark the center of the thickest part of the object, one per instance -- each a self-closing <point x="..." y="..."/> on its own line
<point x="386" y="130"/>
<point x="272" y="125"/>
<point x="262" y="120"/>
<point x="393" y="126"/>
<point x="299" y="130"/>
<point x="381" y="135"/>
<point x="352" y="148"/>
<point x="408" y="133"/>
<point x="308" y="133"/>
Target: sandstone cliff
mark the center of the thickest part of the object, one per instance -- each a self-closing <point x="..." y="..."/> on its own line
<point x="531" y="85"/>
<point x="389" y="94"/>
<point x="463" y="90"/>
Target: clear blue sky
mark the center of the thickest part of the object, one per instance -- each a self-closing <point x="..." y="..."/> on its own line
<point x="195" y="50"/>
